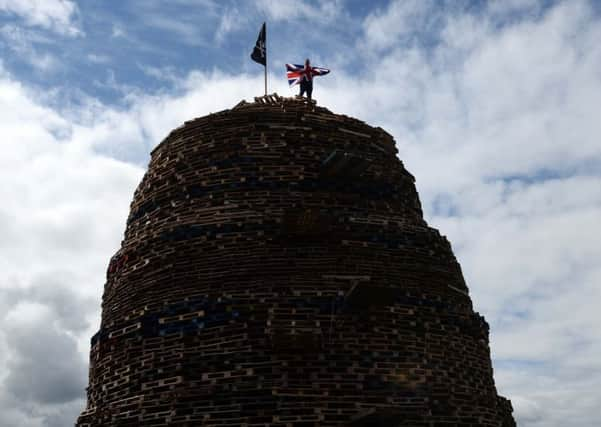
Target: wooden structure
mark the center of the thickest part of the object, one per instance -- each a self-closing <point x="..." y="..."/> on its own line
<point x="276" y="270"/>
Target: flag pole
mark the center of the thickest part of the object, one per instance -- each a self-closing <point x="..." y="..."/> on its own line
<point x="265" y="58"/>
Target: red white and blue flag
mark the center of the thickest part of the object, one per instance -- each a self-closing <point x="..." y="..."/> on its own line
<point x="296" y="73"/>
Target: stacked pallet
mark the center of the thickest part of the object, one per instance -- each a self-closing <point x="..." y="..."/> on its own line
<point x="276" y="270"/>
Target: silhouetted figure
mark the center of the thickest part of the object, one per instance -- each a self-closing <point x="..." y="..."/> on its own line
<point x="303" y="75"/>
<point x="306" y="84"/>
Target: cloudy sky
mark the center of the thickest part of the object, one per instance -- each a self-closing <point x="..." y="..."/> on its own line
<point x="495" y="107"/>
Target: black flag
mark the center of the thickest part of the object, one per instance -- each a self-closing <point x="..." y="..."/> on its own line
<point x="259" y="52"/>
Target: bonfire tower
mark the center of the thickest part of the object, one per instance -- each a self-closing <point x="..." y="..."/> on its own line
<point x="276" y="270"/>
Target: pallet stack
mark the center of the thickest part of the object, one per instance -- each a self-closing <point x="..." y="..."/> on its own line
<point x="276" y="270"/>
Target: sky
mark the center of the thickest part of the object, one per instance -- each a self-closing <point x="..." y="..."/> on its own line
<point x="494" y="106"/>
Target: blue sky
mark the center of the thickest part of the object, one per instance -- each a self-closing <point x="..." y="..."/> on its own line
<point x="493" y="104"/>
<point x="124" y="42"/>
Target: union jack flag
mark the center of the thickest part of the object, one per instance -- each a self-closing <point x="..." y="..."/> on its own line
<point x="296" y="72"/>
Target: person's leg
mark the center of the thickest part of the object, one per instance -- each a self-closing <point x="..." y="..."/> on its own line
<point x="309" y="89"/>
<point x="303" y="88"/>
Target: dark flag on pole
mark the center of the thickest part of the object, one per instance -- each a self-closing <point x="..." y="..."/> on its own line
<point x="259" y="53"/>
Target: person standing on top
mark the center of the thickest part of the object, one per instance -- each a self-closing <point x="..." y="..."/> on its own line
<point x="303" y="75"/>
<point x="306" y="84"/>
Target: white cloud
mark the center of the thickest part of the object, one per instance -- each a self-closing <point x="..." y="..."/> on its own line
<point x="190" y="22"/>
<point x="22" y="43"/>
<point x="117" y="31"/>
<point x="289" y="10"/>
<point x="98" y="58"/>
<point x="185" y="30"/>
<point x="400" y="19"/>
<point x="52" y="255"/>
<point x="56" y="15"/>
<point x="231" y="20"/>
<point x="506" y="7"/>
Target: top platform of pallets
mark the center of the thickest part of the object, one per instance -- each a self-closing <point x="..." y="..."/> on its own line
<point x="268" y="108"/>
